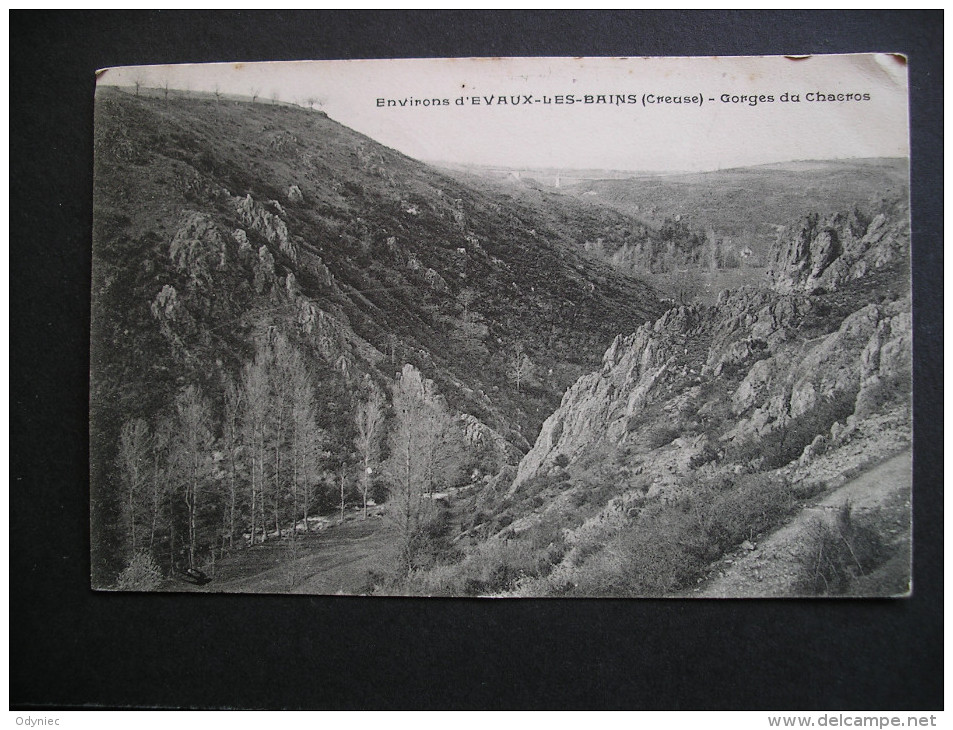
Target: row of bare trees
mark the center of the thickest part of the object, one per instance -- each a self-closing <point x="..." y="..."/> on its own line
<point x="189" y="481"/>
<point x="164" y="471"/>
<point x="203" y="478"/>
<point x="165" y="87"/>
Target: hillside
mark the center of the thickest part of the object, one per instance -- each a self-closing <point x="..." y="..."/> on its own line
<point x="319" y="365"/>
<point x="693" y="234"/>
<point x="227" y="233"/>
<point x="725" y="199"/>
<point x="710" y="428"/>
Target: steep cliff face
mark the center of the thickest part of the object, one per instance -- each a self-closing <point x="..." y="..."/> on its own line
<point x="871" y="349"/>
<point x="818" y="254"/>
<point x="218" y="221"/>
<point x="758" y="362"/>
<point x="219" y="225"/>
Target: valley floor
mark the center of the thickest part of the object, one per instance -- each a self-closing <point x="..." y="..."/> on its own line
<point x="337" y="560"/>
<point x="871" y="473"/>
<point x="347" y="558"/>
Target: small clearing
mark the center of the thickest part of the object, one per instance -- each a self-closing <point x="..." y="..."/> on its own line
<point x="340" y="559"/>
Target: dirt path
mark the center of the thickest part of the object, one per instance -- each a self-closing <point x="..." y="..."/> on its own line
<point x="336" y="560"/>
<point x="772" y="567"/>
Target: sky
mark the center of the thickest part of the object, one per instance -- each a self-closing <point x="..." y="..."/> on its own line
<point x="726" y="129"/>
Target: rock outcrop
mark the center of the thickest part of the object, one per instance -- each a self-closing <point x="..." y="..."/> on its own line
<point x="495" y="450"/>
<point x="264" y="271"/>
<point x="636" y="369"/>
<point x="825" y="254"/>
<point x="198" y="248"/>
<point x="269" y="225"/>
<point x="755" y="361"/>
<point x="869" y="351"/>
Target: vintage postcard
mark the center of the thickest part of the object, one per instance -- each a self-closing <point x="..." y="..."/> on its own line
<point x="509" y="327"/>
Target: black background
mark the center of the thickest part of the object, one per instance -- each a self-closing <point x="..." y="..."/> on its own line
<point x="71" y="647"/>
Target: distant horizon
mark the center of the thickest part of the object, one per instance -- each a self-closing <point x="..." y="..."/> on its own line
<point x="660" y="172"/>
<point x="518" y="113"/>
<point x="155" y="90"/>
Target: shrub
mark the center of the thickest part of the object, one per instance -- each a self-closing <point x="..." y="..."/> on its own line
<point x="205" y="161"/>
<point x="141" y="574"/>
<point x="478" y="518"/>
<point x="662" y="436"/>
<point x="433" y="542"/>
<point x="840" y="550"/>
<point x="708" y="453"/>
<point x="494" y="566"/>
<point x="754" y="504"/>
<point x="880" y="392"/>
<point x="661" y="557"/>
<point x="786" y="443"/>
<point x="668" y="546"/>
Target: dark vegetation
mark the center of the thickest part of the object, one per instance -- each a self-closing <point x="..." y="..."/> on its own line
<point x="841" y="550"/>
<point x="670" y="546"/>
<point x="360" y="258"/>
<point x="655" y="548"/>
<point x="289" y="320"/>
<point x="783" y="445"/>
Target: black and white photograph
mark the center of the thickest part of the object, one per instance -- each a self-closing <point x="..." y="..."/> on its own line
<point x="503" y="328"/>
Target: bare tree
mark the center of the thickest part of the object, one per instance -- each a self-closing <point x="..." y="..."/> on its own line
<point x="255" y="93"/>
<point x="218" y="93"/>
<point x="342" y="481"/>
<point x="286" y="361"/>
<point x="417" y="447"/>
<point x="687" y="287"/>
<point x="520" y="367"/>
<point x="369" y="418"/>
<point x="254" y="426"/>
<point x="232" y="445"/>
<point x="192" y="450"/>
<point x="165" y="89"/>
<point x="160" y="444"/>
<point x="133" y="453"/>
<point x="471" y="330"/>
<point x="274" y="97"/>
<point x="137" y="82"/>
<point x="306" y="441"/>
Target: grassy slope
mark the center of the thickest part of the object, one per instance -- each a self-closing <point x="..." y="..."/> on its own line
<point x="530" y="284"/>
<point x="367" y="212"/>
<point x="672" y="531"/>
<point x="878" y="497"/>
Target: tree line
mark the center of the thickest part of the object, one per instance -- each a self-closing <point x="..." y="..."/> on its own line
<point x="205" y="478"/>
